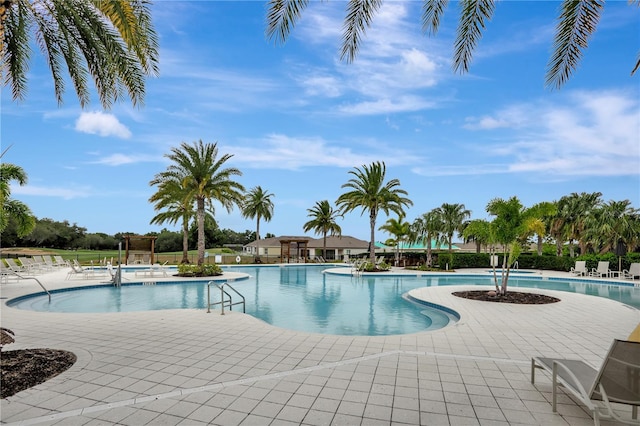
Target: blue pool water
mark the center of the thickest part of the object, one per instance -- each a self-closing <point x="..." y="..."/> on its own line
<point x="303" y="298"/>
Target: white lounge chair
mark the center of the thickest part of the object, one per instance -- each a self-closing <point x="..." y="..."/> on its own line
<point x="617" y="381"/>
<point x="601" y="271"/>
<point x="78" y="270"/>
<point x="580" y="269"/>
<point x="632" y="272"/>
<point x="25" y="267"/>
<point x="60" y="261"/>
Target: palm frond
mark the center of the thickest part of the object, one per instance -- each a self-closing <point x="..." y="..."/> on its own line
<point x="432" y="10"/>
<point x="16" y="53"/>
<point x="577" y="22"/>
<point x="282" y="16"/>
<point x="358" y="19"/>
<point x="633" y="71"/>
<point x="473" y="16"/>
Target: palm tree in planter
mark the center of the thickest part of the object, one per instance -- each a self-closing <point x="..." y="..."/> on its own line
<point x="205" y="179"/>
<point x="512" y="223"/>
<point x="174" y="205"/>
<point x="369" y="191"/>
<point x="258" y="204"/>
<point x="323" y="221"/>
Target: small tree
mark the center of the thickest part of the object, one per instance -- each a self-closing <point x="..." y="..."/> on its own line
<point x="510" y="223"/>
<point x="323" y="221"/>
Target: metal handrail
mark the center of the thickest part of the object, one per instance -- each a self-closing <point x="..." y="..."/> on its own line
<point x="37" y="280"/>
<point x="223" y="292"/>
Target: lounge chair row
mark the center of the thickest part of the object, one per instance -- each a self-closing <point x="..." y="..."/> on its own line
<point x="34" y="264"/>
<point x="580" y="269"/>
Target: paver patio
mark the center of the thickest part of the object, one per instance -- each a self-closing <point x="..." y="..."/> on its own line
<point x="187" y="367"/>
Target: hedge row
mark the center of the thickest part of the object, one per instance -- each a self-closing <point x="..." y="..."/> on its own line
<point x="525" y="261"/>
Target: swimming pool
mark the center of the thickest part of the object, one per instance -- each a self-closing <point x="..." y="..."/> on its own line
<point x="306" y="299"/>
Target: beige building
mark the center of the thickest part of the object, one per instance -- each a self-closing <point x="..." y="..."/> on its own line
<point x="295" y="248"/>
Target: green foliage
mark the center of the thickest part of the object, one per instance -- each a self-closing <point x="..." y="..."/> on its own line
<point x="370" y="267"/>
<point x="204" y="270"/>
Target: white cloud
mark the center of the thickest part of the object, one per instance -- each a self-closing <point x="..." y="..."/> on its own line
<point x="322" y="85"/>
<point x="382" y="106"/>
<point x="103" y="124"/>
<point x="52" y="191"/>
<point x="278" y="151"/>
<point x="122" y="159"/>
<point x="585" y="133"/>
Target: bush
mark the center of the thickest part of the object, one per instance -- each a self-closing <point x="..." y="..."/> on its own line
<point x="204" y="270"/>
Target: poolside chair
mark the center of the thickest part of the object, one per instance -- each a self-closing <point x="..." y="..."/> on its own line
<point x="617" y="381"/>
<point x="20" y="269"/>
<point x="6" y="273"/>
<point x="78" y="270"/>
<point x="601" y="271"/>
<point x="632" y="272"/>
<point x="580" y="269"/>
<point x="60" y="261"/>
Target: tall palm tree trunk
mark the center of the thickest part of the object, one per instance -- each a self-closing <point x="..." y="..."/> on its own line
<point x="258" y="239"/>
<point x="185" y="241"/>
<point x="324" y="246"/>
<point x="372" y="223"/>
<point x="200" y="216"/>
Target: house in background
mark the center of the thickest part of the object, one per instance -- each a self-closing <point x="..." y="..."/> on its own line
<point x="338" y="248"/>
<point x="295" y="248"/>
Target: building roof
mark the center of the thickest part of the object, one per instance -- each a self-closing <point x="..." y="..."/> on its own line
<point x="344" y="242"/>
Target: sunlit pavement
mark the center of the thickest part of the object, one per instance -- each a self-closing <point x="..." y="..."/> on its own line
<point x="188" y="367"/>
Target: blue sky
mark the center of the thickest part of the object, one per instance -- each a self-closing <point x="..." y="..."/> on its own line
<point x="297" y="119"/>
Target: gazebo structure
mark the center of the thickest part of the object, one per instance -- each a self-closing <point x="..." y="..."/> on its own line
<point x="299" y="246"/>
<point x="139" y="249"/>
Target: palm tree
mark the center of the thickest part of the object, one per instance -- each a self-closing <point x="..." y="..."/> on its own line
<point x="427" y="229"/>
<point x="576" y="23"/>
<point x="14" y="209"/>
<point x="509" y="225"/>
<point x="173" y="201"/>
<point x="400" y="230"/>
<point x="204" y="180"/>
<point x="111" y="41"/>
<point x="478" y="231"/>
<point x="453" y="217"/>
<point x="258" y="204"/>
<point x="539" y="219"/>
<point x="323" y="221"/>
<point x="572" y="213"/>
<point x="372" y="194"/>
<point x="615" y="223"/>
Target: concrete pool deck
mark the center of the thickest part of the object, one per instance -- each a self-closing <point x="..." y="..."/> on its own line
<point x="187" y="367"/>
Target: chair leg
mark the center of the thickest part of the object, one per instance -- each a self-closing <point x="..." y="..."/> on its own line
<point x="533" y="372"/>
<point x="554" y="389"/>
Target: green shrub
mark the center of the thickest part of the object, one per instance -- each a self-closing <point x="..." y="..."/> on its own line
<point x="204" y="270"/>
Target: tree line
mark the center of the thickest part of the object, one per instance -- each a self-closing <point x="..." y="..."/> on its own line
<point x="66" y="236"/>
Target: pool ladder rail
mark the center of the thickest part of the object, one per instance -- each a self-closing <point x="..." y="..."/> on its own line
<point x="226" y="298"/>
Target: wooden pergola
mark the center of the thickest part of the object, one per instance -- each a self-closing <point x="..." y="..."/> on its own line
<point x="300" y="244"/>
<point x="139" y="247"/>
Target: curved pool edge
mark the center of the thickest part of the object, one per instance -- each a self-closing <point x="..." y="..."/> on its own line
<point x="414" y="297"/>
<point x="11" y="301"/>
